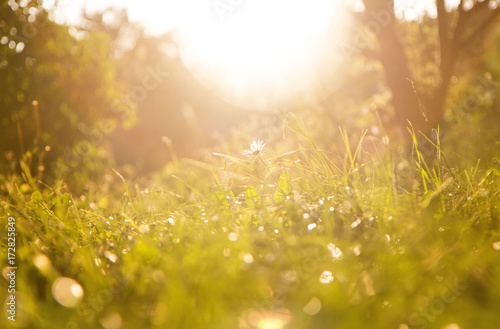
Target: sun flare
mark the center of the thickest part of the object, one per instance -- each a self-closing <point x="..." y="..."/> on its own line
<point x="259" y="53"/>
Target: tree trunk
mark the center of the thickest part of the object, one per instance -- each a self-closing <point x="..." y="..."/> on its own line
<point x="425" y="114"/>
<point x="399" y="78"/>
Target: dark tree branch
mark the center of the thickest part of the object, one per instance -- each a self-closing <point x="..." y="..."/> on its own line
<point x="481" y="29"/>
<point x="478" y="6"/>
<point x="459" y="26"/>
<point x="461" y="6"/>
<point x="449" y="57"/>
<point x="453" y="37"/>
<point x="399" y="77"/>
<point x="464" y="16"/>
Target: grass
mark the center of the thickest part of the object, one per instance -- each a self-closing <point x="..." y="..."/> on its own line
<point x="306" y="238"/>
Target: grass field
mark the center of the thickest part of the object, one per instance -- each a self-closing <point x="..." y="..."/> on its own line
<point x="304" y="238"/>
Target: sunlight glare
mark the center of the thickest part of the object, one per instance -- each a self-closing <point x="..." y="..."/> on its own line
<point x="258" y="52"/>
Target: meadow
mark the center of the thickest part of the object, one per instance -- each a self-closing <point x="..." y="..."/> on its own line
<point x="341" y="172"/>
<point x="301" y="239"/>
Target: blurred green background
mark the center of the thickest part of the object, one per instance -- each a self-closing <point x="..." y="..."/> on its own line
<point x="369" y="207"/>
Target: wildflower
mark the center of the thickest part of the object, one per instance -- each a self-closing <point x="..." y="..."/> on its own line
<point x="256" y="151"/>
<point x="255" y="148"/>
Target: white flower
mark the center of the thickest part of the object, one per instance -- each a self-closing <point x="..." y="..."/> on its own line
<point x="255" y="148"/>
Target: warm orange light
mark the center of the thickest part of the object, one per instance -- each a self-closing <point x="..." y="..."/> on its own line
<point x="259" y="53"/>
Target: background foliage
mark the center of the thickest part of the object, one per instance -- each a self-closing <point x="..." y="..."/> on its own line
<point x="139" y="192"/>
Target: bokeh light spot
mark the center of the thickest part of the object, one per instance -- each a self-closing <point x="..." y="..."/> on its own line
<point x="67" y="292"/>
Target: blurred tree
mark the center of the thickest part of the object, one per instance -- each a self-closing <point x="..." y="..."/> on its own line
<point x="68" y="74"/>
<point x="173" y="107"/>
<point x="423" y="103"/>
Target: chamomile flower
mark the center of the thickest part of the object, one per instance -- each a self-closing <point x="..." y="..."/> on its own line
<point x="255" y="148"/>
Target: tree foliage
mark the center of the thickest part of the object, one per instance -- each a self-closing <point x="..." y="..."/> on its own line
<point x="58" y="84"/>
<point x="423" y="102"/>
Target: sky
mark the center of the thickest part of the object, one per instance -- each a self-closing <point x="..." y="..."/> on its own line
<point x="165" y="13"/>
<point x="162" y="18"/>
<point x="253" y="54"/>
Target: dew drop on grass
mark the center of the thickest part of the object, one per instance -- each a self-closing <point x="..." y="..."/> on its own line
<point x="276" y="231"/>
<point x="67" y="292"/>
<point x="143" y="228"/>
<point x="336" y="252"/>
<point x="111" y="256"/>
<point x="496" y="245"/>
<point x="356" y="223"/>
<point x="452" y="326"/>
<point x="332" y="209"/>
<point x="232" y="236"/>
<point x="271" y="323"/>
<point x="313" y="306"/>
<point x="306" y="216"/>
<point x="290" y="276"/>
<point x="111" y="321"/>
<point x="261" y="228"/>
<point x="42" y="262"/>
<point x="326" y="277"/>
<point x="311" y="226"/>
<point x="248" y="258"/>
<point x="270" y="257"/>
